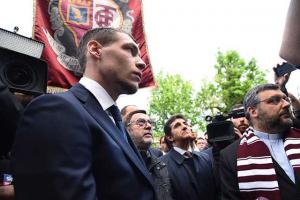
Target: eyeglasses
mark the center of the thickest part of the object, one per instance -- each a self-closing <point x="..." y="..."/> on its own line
<point x="142" y="122"/>
<point x="274" y="100"/>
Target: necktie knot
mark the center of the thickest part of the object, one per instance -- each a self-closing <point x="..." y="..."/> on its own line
<point x="115" y="113"/>
<point x="188" y="154"/>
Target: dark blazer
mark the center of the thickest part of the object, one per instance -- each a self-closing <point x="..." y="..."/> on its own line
<point x="229" y="181"/>
<point x="67" y="148"/>
<point x="189" y="184"/>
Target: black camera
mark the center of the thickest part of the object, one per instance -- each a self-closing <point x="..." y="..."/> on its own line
<point x="23" y="73"/>
<point x="220" y="129"/>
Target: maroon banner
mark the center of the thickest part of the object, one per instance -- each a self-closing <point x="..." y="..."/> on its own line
<point x="61" y="23"/>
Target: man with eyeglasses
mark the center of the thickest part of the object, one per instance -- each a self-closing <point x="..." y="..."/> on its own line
<point x="265" y="162"/>
<point x="140" y="128"/>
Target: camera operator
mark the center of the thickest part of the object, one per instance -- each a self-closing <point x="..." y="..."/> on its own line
<point x="222" y="131"/>
<point x="240" y="123"/>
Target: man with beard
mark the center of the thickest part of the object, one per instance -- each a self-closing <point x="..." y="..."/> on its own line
<point x="240" y="123"/>
<point x="190" y="173"/>
<point x="265" y="163"/>
<point x="140" y="128"/>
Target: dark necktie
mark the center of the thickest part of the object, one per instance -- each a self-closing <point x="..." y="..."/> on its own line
<point x="188" y="154"/>
<point x="115" y="113"/>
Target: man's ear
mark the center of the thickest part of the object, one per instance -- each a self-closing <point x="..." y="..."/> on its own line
<point x="94" y="48"/>
<point x="253" y="112"/>
<point x="170" y="138"/>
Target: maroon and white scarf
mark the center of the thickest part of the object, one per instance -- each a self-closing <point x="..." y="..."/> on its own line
<point x="255" y="170"/>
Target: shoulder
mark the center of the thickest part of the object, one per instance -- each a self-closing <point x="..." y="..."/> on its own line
<point x="204" y="159"/>
<point x="164" y="158"/>
<point x="51" y="101"/>
<point x="156" y="152"/>
<point x="229" y="154"/>
<point x="167" y="157"/>
<point x="231" y="149"/>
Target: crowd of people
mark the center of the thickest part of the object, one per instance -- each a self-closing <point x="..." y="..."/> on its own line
<point x="79" y="145"/>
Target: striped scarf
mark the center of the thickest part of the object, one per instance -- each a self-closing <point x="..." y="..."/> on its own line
<point x="256" y="174"/>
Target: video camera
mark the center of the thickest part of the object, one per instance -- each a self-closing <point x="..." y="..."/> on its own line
<point x="220" y="129"/>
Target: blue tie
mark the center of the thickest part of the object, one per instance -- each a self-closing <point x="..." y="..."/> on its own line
<point x="115" y="113"/>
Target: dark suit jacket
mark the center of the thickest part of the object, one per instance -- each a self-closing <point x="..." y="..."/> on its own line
<point x="229" y="181"/>
<point x="188" y="184"/>
<point x="67" y="148"/>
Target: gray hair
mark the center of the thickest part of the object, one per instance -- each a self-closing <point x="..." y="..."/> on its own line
<point x="251" y="99"/>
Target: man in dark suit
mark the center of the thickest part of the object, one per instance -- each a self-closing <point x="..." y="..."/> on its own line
<point x="190" y="173"/>
<point x="264" y="163"/>
<point x="73" y="145"/>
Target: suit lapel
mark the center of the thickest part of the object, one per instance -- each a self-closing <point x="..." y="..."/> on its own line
<point x="280" y="172"/>
<point x="90" y="103"/>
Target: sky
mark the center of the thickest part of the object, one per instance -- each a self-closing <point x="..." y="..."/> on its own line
<point x="183" y="37"/>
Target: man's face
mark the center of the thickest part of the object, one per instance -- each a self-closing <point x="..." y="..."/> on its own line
<point x="121" y="65"/>
<point x="181" y="131"/>
<point x="240" y="123"/>
<point x="163" y="145"/>
<point x="272" y="113"/>
<point x="201" y="143"/>
<point x="141" y="133"/>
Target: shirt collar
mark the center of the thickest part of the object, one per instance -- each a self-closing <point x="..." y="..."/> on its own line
<point x="98" y="91"/>
<point x="267" y="136"/>
<point x="179" y="150"/>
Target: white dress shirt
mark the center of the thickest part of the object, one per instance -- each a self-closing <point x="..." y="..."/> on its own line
<point x="99" y="93"/>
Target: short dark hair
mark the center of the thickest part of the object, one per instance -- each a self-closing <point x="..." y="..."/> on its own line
<point x="129" y="116"/>
<point x="167" y="127"/>
<point x="200" y="138"/>
<point x="104" y="35"/>
<point x="251" y="98"/>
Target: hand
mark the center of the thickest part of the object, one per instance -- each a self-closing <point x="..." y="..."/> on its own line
<point x="7" y="192"/>
<point x="238" y="132"/>
<point x="281" y="80"/>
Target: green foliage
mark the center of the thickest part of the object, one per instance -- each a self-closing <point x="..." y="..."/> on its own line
<point x="172" y="96"/>
<point x="233" y="79"/>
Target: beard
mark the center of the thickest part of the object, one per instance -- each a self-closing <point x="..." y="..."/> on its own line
<point x="275" y="124"/>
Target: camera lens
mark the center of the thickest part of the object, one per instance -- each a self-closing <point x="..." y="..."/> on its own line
<point x="18" y="75"/>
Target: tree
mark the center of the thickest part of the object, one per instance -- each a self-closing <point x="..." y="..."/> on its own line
<point x="233" y="79"/>
<point x="172" y="96"/>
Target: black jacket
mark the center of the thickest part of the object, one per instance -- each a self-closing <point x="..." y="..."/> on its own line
<point x="191" y="178"/>
<point x="159" y="172"/>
